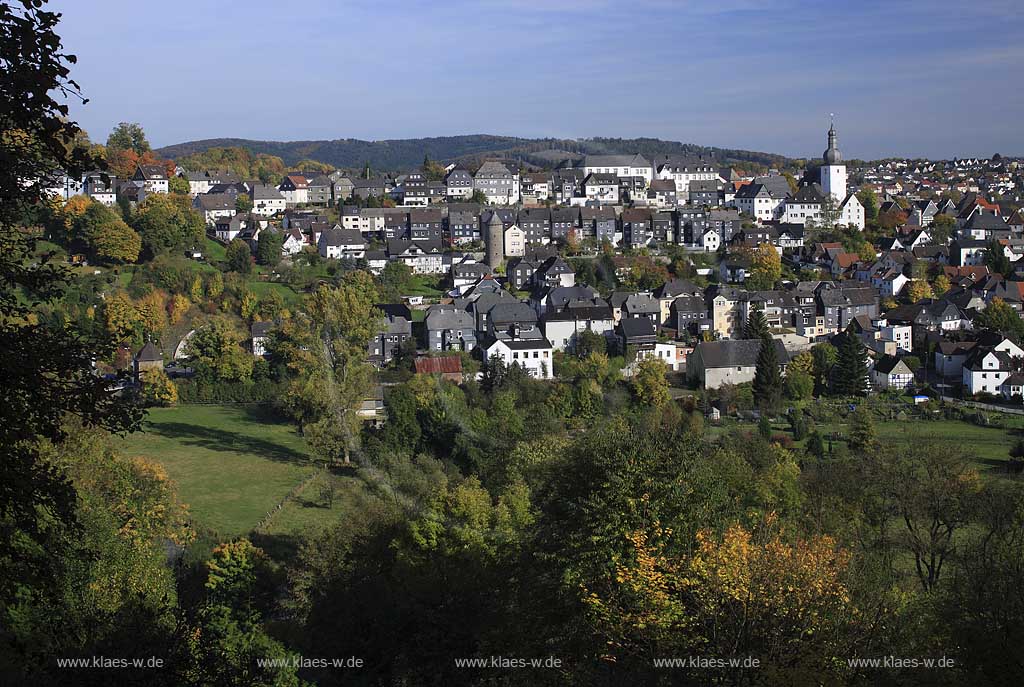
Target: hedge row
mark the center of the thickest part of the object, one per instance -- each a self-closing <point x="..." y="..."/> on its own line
<point x="192" y="391"/>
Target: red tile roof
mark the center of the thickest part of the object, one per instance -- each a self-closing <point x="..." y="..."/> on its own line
<point x="448" y="364"/>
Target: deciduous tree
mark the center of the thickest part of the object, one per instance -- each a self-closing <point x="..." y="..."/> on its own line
<point x="239" y="257"/>
<point x="649" y="382"/>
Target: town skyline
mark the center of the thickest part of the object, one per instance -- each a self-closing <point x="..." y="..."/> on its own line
<point x="679" y="74"/>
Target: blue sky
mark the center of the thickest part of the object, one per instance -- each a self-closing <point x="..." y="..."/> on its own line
<point x="917" y="78"/>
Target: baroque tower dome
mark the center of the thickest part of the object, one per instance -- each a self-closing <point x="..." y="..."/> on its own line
<point x="832" y="155"/>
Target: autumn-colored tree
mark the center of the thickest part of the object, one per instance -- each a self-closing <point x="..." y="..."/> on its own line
<point x="152" y="312"/>
<point x="741" y="593"/>
<point x="941" y="285"/>
<point x="120" y="317"/>
<point x="918" y="289"/>
<point x="158" y="389"/>
<point x="890" y="219"/>
<point x="765" y="267"/>
<point x="248" y="305"/>
<point x="178" y="308"/>
<point x="214" y="286"/>
<point x="68" y="215"/>
<point x="802" y="362"/>
<point x="572" y="242"/>
<point x="649" y="382"/>
<point x="109" y="238"/>
<point x="243" y="202"/>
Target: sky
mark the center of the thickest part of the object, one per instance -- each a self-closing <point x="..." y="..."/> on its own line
<point x="904" y="78"/>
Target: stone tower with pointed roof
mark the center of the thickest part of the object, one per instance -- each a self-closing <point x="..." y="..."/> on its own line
<point x="833" y="172"/>
<point x="494" y="238"/>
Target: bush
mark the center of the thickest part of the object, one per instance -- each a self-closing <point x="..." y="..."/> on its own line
<point x="196" y="391"/>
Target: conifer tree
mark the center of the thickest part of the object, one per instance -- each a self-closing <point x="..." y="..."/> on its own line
<point x="756" y="326"/>
<point x="767" y="378"/>
<point x="850" y="374"/>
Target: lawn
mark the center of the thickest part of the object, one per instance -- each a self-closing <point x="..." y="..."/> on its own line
<point x="987" y="446"/>
<point x="231" y="464"/>
<point x="423" y="285"/>
<point x="290" y="296"/>
<point x="313" y="510"/>
<point x="214" y="251"/>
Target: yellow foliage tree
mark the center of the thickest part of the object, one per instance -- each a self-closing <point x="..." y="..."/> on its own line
<point x="214" y="286"/>
<point x="742" y="593"/>
<point x="765" y="266"/>
<point x="196" y="290"/>
<point x="177" y="308"/>
<point x="158" y="389"/>
<point x="120" y="316"/>
<point x="918" y="289"/>
<point x="802" y="362"/>
<point x="72" y="212"/>
<point x="649" y="382"/>
<point x="249" y="306"/>
<point x="152" y="311"/>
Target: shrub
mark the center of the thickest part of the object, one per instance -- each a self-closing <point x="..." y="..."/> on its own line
<point x="196" y="391"/>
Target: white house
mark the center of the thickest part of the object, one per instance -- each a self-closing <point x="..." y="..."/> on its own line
<point x="294" y="242"/>
<point x="295" y="189"/>
<point x="561" y="328"/>
<point x="985" y="369"/>
<point x="532" y="353"/>
<point x="515" y="242"/>
<point x="683" y="171"/>
<point x="336" y="243"/>
<point x="153" y="178"/>
<point x="601" y="188"/>
<point x="891" y="373"/>
<point x="622" y="166"/>
<point x="103" y="192"/>
<point x="267" y="200"/>
<point x="215" y="206"/>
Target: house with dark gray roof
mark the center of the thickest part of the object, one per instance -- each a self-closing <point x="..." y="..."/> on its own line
<point x="730" y="361"/>
<point x="562" y="327"/>
<point x="840" y="306"/>
<point x="394" y="332"/>
<point x="449" y="328"/>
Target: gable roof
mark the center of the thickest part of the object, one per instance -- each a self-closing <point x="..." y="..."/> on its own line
<point x="736" y="352"/>
<point x="148" y="353"/>
<point x="447" y="364"/>
<point x="891" y="364"/>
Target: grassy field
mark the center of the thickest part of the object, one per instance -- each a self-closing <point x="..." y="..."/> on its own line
<point x="231" y="463"/>
<point x="988" y="447"/>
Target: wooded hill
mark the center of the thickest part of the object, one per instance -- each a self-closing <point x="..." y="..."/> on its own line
<point x="401" y="154"/>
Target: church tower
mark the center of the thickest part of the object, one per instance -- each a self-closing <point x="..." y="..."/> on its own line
<point x="495" y="240"/>
<point x="833" y="172"/>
